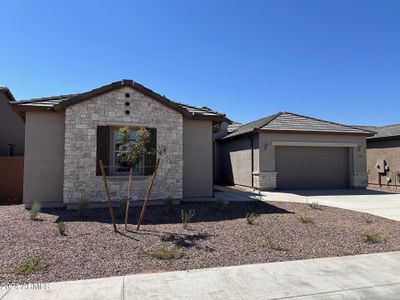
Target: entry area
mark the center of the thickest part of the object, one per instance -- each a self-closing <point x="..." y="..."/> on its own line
<point x="302" y="167"/>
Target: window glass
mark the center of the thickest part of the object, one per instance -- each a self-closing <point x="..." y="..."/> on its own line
<point x="121" y="167"/>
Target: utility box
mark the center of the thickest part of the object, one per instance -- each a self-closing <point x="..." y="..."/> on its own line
<point x="381" y="166"/>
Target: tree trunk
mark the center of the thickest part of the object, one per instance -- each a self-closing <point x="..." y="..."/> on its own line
<point x="103" y="173"/>
<point x="148" y="195"/>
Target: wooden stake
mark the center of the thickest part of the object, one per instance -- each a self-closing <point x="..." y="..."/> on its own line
<point x="103" y="173"/>
<point x="129" y="198"/>
<point x="148" y="195"/>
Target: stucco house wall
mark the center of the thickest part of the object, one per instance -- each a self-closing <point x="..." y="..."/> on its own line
<point x="44" y="158"/>
<point x="81" y="121"/>
<point x="197" y="159"/>
<point x="236" y="160"/>
<point x="12" y="128"/>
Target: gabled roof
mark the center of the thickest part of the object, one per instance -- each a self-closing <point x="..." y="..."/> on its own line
<point x="290" y="122"/>
<point x="383" y="132"/>
<point x="61" y="102"/>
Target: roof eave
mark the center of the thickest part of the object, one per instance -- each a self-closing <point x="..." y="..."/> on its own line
<point x="382" y="138"/>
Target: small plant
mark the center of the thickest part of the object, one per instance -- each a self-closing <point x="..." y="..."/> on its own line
<point x="122" y="205"/>
<point x="219" y="204"/>
<point x="169" y="204"/>
<point x="83" y="205"/>
<point x="186" y="217"/>
<point x="269" y="243"/>
<point x="315" y="205"/>
<point x="306" y="220"/>
<point x="61" y="228"/>
<point x="167" y="253"/>
<point x="35" y="210"/>
<point x="251" y="218"/>
<point x="369" y="220"/>
<point x="372" y="238"/>
<point x="33" y="265"/>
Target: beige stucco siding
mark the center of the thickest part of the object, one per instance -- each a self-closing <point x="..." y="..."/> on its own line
<point x="44" y="158"/>
<point x="12" y="129"/>
<point x="236" y="158"/>
<point x="356" y="144"/>
<point x="197" y="159"/>
<point x="388" y="150"/>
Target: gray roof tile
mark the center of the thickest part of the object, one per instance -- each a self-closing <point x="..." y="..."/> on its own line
<point x="59" y="102"/>
<point x="286" y="122"/>
<point x="386" y="131"/>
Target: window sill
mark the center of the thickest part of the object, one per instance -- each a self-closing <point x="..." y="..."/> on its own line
<point x="126" y="177"/>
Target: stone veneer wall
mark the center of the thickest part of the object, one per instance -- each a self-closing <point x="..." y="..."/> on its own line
<point x="265" y="180"/>
<point x="81" y="120"/>
<point x="359" y="179"/>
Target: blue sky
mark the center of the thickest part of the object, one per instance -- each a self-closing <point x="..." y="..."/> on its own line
<point x="336" y="60"/>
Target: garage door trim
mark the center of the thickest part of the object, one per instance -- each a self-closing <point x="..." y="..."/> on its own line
<point x="315" y="144"/>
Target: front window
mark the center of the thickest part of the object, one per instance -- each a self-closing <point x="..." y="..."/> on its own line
<point x="121" y="168"/>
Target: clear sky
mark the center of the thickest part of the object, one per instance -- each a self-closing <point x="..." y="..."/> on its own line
<point x="336" y="60"/>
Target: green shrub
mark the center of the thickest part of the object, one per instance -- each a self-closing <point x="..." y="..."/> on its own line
<point x="33" y="265"/>
<point x="165" y="253"/>
<point x="186" y="217"/>
<point x="369" y="220"/>
<point x="219" y="204"/>
<point x="61" y="228"/>
<point x="315" y="205"/>
<point x="306" y="220"/>
<point x="122" y="205"/>
<point x="83" y="205"/>
<point x="269" y="243"/>
<point x="169" y="204"/>
<point x="35" y="209"/>
<point x="372" y="238"/>
<point x="251" y="218"/>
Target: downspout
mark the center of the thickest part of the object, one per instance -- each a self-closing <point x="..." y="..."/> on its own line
<point x="252" y="160"/>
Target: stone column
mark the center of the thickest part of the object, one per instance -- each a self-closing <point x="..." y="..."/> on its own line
<point x="267" y="180"/>
<point x="359" y="180"/>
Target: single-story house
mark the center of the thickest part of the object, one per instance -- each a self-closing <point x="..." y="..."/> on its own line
<point x="67" y="135"/>
<point x="383" y="156"/>
<point x="12" y="126"/>
<point x="291" y="151"/>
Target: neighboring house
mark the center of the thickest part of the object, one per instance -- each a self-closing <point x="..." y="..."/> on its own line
<point x="291" y="151"/>
<point x="67" y="135"/>
<point x="383" y="156"/>
<point x="12" y="127"/>
<point x="12" y="139"/>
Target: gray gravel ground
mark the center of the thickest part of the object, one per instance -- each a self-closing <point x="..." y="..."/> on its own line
<point x="91" y="249"/>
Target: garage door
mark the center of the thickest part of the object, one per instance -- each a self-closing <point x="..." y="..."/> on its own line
<point x="312" y="168"/>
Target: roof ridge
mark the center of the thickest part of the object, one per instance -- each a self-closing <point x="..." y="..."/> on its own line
<point x="271" y="118"/>
<point x="321" y="120"/>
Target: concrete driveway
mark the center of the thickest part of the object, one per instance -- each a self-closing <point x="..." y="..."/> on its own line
<point x="382" y="204"/>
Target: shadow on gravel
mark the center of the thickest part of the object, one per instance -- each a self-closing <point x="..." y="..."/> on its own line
<point x="203" y="212"/>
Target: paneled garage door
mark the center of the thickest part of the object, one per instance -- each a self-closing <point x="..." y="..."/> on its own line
<point x="312" y="168"/>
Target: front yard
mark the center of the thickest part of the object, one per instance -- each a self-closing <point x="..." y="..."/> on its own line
<point x="34" y="251"/>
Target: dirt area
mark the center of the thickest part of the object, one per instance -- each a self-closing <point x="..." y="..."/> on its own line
<point x="34" y="251"/>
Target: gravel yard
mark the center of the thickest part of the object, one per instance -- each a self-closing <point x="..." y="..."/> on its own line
<point x="34" y="251"/>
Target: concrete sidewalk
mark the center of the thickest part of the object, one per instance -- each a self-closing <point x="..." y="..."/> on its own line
<point x="372" y="276"/>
